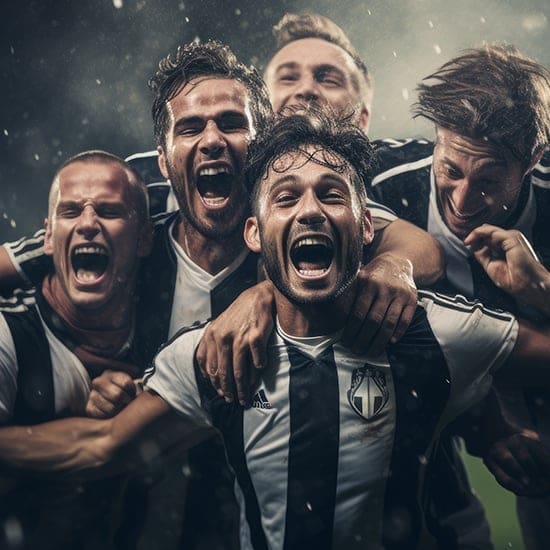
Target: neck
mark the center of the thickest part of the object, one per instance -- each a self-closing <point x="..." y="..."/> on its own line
<point x="113" y="316"/>
<point x="210" y="254"/>
<point x="303" y="320"/>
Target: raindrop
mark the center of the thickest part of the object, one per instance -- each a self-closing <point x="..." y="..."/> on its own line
<point x="13" y="532"/>
<point x="437" y="49"/>
<point x="13" y="224"/>
<point x="117" y="4"/>
<point x="394" y="54"/>
<point x="405" y="93"/>
<point x="238" y="11"/>
<point x="36" y="156"/>
<point x="187" y="19"/>
<point x="97" y="81"/>
<point x="181" y="6"/>
<point x="430" y="24"/>
<point x="482" y="19"/>
<point x="423" y="460"/>
<point x="12" y="50"/>
<point x="535" y="22"/>
<point x="5" y="132"/>
<point x="404" y="202"/>
<point x="308" y="506"/>
<point x="413" y="393"/>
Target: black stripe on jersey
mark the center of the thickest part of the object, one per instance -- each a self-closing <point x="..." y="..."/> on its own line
<point x="461" y="303"/>
<point x="314" y="432"/>
<point x="35" y="401"/>
<point x="421" y="380"/>
<point x="157" y="281"/>
<point x="245" y="276"/>
<point x="228" y="418"/>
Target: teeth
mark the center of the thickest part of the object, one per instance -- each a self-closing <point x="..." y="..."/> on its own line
<point x="312" y="272"/>
<point x="215" y="201"/>
<point x="90" y="249"/>
<point x="214" y="171"/>
<point x="311" y="241"/>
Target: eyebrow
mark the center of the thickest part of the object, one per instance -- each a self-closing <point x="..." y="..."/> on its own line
<point x="199" y="119"/>
<point x="490" y="164"/>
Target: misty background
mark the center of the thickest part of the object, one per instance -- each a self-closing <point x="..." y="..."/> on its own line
<point x="74" y="74"/>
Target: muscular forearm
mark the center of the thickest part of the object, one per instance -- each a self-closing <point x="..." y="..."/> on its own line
<point x="537" y="293"/>
<point x="68" y="444"/>
<point x="408" y="242"/>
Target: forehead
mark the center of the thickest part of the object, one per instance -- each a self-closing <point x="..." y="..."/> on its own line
<point x="207" y="96"/>
<point x="92" y="180"/>
<point x="458" y="148"/>
<point x="309" y="165"/>
<point x="309" y="53"/>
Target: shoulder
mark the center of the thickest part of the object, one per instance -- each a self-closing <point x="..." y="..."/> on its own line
<point x="21" y="301"/>
<point x="468" y="329"/>
<point x="395" y="156"/>
<point x="146" y="164"/>
<point x="179" y="349"/>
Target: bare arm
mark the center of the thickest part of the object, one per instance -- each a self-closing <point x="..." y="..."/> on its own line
<point x="405" y="241"/>
<point x="9" y="276"/>
<point x="511" y="263"/>
<point x="529" y="362"/>
<point x="78" y="443"/>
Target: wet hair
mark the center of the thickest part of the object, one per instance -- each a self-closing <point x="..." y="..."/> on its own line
<point x="138" y="190"/>
<point x="492" y="93"/>
<point x="338" y="144"/>
<point x="208" y="59"/>
<point x="297" y="26"/>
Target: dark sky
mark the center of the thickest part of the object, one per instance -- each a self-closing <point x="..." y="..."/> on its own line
<point x="74" y="73"/>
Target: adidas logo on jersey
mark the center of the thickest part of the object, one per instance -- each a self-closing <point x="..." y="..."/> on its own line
<point x="260" y="401"/>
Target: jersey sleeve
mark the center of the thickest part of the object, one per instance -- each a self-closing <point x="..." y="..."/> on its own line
<point x="380" y="212"/>
<point x="173" y="377"/>
<point x="475" y="342"/>
<point x="28" y="258"/>
<point x="8" y="373"/>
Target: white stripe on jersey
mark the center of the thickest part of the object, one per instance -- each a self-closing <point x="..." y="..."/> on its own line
<point x="36" y="240"/>
<point x="402" y="168"/>
<point x="145" y="154"/>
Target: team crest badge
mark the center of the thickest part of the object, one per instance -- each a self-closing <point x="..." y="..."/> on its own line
<point x="368" y="393"/>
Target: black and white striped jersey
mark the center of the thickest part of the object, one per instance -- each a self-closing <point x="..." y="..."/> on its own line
<point x="40" y="377"/>
<point x="331" y="454"/>
<point x="27" y="254"/>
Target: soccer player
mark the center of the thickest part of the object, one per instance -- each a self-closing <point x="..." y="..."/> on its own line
<point x="79" y="323"/>
<point x="489" y="165"/>
<point x="332" y="452"/>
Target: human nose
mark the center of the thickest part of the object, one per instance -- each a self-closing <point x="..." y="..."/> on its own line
<point x="212" y="140"/>
<point x="307" y="89"/>
<point x="88" y="222"/>
<point x="465" y="197"/>
<point x="310" y="212"/>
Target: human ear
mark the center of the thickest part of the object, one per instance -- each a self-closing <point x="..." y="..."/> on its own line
<point x="252" y="234"/>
